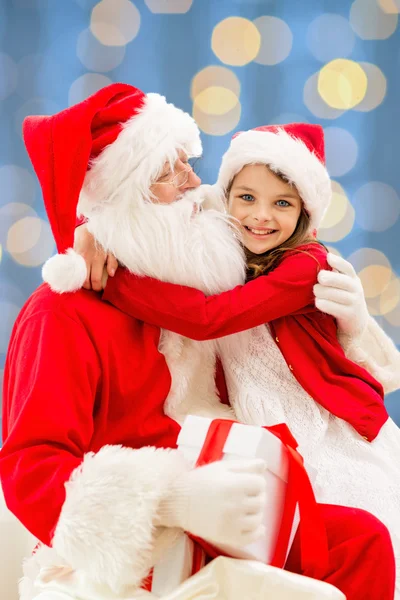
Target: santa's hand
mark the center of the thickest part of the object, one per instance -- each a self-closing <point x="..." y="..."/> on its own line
<point x="99" y="264"/>
<point x="223" y="502"/>
<point x="340" y="293"/>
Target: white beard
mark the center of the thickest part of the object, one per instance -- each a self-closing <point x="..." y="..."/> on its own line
<point x="182" y="244"/>
<point x="170" y="243"/>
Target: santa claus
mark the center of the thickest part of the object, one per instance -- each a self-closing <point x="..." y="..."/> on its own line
<point x="94" y="399"/>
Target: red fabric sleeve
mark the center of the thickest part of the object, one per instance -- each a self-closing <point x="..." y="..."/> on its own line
<point x="286" y="290"/>
<point x="49" y="393"/>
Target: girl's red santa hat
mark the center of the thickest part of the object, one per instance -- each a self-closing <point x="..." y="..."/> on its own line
<point x="117" y="139"/>
<point x="296" y="151"/>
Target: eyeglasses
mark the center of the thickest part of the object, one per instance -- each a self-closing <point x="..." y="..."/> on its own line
<point x="179" y="179"/>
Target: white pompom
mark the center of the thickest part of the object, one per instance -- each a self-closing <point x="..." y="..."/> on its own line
<point x="65" y="272"/>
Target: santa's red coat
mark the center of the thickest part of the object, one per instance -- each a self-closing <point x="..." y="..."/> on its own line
<point x="81" y="375"/>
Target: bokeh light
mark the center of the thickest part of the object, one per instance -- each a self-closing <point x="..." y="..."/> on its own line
<point x="23" y="235"/>
<point x="276" y="40"/>
<point x="339" y="218"/>
<point x="115" y="22"/>
<point x="169" y="6"/>
<point x="95" y="56"/>
<point x="306" y="63"/>
<point x="364" y="257"/>
<point x="334" y="250"/>
<point x="215" y="92"/>
<point x="216" y="100"/>
<point x="315" y="104"/>
<point x="375" y="279"/>
<point x="236" y="41"/>
<point x="375" y="272"/>
<point x="329" y="35"/>
<point x="217" y="124"/>
<point x="342" y="84"/>
<point x="341" y="151"/>
<point x="390" y="296"/>
<point x="376" y="89"/>
<point x="10" y="214"/>
<point x="214" y="76"/>
<point x="86" y="85"/>
<point x="393" y="316"/>
<point x="377" y="206"/>
<point x="370" y="22"/>
<point x="390" y="6"/>
<point x="30" y="241"/>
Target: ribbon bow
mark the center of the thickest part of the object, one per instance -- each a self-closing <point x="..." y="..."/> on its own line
<point x="313" y="538"/>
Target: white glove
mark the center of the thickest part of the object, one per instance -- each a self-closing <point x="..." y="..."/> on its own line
<point x="340" y="293"/>
<point x="223" y="502"/>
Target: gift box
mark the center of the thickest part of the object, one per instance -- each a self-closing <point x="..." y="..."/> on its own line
<point x="289" y="491"/>
<point x="184" y="559"/>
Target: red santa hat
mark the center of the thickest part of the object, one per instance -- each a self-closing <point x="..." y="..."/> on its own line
<point x="82" y="155"/>
<point x="296" y="151"/>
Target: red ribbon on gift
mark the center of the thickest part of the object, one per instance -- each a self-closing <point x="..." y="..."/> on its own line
<point x="313" y="538"/>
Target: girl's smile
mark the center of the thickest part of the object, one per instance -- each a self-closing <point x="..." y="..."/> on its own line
<point x="260" y="233"/>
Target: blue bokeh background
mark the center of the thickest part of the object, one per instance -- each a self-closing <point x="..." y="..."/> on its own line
<point x="55" y="53"/>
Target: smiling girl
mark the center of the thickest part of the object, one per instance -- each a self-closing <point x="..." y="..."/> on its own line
<point x="291" y="368"/>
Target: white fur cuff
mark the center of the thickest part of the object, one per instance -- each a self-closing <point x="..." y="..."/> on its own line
<point x="376" y="352"/>
<point x="106" y="525"/>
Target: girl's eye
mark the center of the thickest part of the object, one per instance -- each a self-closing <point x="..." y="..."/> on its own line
<point x="283" y="203"/>
<point x="247" y="197"/>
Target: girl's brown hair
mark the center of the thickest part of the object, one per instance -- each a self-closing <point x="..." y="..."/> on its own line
<point x="262" y="264"/>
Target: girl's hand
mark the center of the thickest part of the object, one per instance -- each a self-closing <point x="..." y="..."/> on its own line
<point x="340" y="293"/>
<point x="99" y="264"/>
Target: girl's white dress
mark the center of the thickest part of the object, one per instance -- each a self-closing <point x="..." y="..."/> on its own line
<point x="350" y="470"/>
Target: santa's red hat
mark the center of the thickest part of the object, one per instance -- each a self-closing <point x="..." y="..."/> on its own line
<point x="84" y="154"/>
<point x="296" y="150"/>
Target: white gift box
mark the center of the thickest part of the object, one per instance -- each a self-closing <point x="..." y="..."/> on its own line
<point x="174" y="567"/>
<point x="246" y="441"/>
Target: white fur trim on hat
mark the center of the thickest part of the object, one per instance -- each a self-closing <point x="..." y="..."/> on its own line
<point x="284" y="154"/>
<point x="147" y="141"/>
<point x="65" y="272"/>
